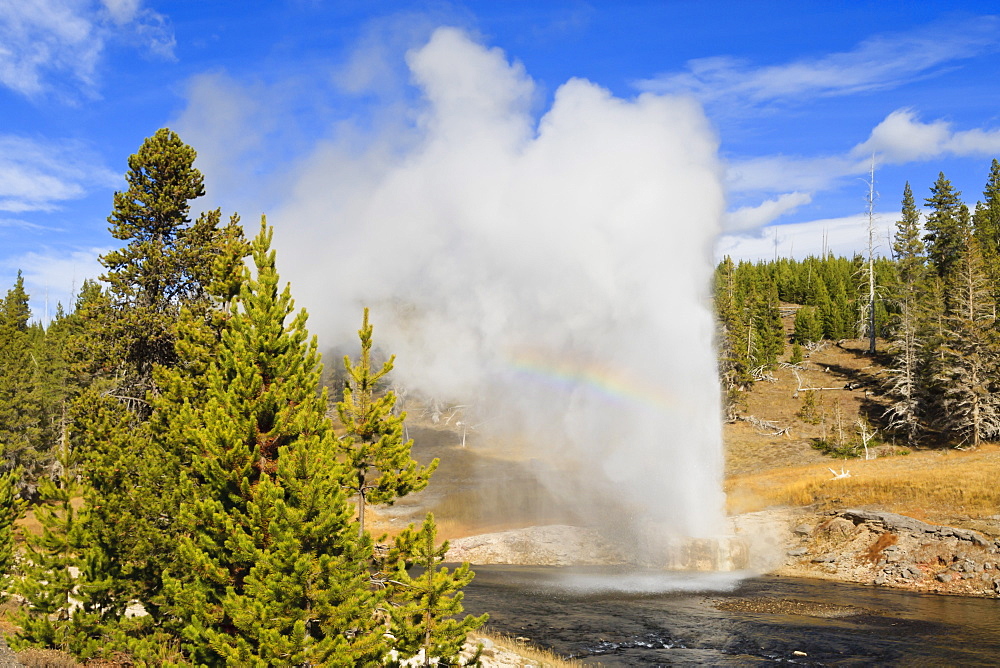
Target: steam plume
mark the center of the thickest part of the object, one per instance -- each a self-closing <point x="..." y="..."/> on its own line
<point x="556" y="273"/>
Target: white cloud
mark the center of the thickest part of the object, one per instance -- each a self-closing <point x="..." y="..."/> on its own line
<point x="122" y="11"/>
<point x="42" y="40"/>
<point x="52" y="277"/>
<point x="755" y="217"/>
<point x="781" y="173"/>
<point x="901" y="137"/>
<point x="842" y="236"/>
<point x="877" y="63"/>
<point x="39" y="175"/>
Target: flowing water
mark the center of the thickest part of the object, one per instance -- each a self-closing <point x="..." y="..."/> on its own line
<point x="620" y="619"/>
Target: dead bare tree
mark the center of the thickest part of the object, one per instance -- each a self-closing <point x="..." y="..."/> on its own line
<point x="867" y="434"/>
<point x="868" y="320"/>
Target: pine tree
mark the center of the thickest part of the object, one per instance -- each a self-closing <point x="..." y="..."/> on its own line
<point x="124" y="339"/>
<point x="946" y="226"/>
<point x="907" y="246"/>
<point x="808" y="328"/>
<point x="903" y="386"/>
<point x="21" y="432"/>
<point x="971" y="353"/>
<point x="734" y="364"/>
<point x="60" y="613"/>
<point x="10" y="511"/>
<point x="425" y="605"/>
<point x="166" y="264"/>
<point x="987" y="217"/>
<point x="378" y="462"/>
<point x="270" y="569"/>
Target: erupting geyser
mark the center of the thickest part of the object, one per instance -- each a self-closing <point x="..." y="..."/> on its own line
<point x="554" y="272"/>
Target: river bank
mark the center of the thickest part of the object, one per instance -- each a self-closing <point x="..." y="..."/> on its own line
<point x="860" y="546"/>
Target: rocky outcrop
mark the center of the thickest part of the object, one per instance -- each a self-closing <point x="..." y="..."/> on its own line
<point x="901" y="523"/>
<point x="888" y="549"/>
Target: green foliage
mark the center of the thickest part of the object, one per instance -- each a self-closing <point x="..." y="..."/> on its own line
<point x="270" y="570"/>
<point x="10" y="511"/>
<point x="796" y="356"/>
<point x="809" y="411"/>
<point x="167" y="263"/>
<point x="379" y="468"/>
<point x="425" y="605"/>
<point x="907" y="245"/>
<point x="808" y="328"/>
<point x="21" y="422"/>
<point x="947" y="225"/>
<point x="60" y="613"/>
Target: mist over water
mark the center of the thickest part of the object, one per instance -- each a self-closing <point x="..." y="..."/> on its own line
<point x="549" y="270"/>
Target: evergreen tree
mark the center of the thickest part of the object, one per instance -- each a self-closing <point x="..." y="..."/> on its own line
<point x="60" y="614"/>
<point x="123" y="337"/>
<point x="907" y="246"/>
<point x="903" y="386"/>
<point x="971" y="354"/>
<point x="21" y="432"/>
<point x="378" y="462"/>
<point x="734" y="363"/>
<point x="987" y="217"/>
<point x="946" y="226"/>
<point x="10" y="511"/>
<point x="270" y="569"/>
<point x="423" y="617"/>
<point x="808" y="328"/>
<point x="165" y="264"/>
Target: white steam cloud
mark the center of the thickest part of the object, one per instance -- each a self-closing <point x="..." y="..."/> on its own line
<point x="556" y="273"/>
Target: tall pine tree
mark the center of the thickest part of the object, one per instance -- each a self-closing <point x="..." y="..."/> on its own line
<point x="971" y="354"/>
<point x="903" y="386"/>
<point x="270" y="569"/>
<point x="946" y="228"/>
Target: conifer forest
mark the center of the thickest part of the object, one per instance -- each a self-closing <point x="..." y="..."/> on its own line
<point x="171" y="435"/>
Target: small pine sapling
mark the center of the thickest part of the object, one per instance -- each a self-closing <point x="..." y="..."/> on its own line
<point x="426" y="605"/>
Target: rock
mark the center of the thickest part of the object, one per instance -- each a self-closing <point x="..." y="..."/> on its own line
<point x="825" y="559"/>
<point x="802" y="530"/>
<point x="798" y="552"/>
<point x="897" y="523"/>
<point x="7" y="657"/>
<point x="945" y="577"/>
<point x="880" y="580"/>
<point x="839" y="526"/>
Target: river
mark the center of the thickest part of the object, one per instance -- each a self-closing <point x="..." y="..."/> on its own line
<point x="650" y="619"/>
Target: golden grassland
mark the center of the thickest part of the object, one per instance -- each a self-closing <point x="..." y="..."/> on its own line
<point x="935" y="484"/>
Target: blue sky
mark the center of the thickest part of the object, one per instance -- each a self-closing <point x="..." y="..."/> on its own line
<point x="799" y="95"/>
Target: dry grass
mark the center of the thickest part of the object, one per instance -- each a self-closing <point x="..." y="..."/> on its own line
<point x="933" y="485"/>
<point x="530" y="655"/>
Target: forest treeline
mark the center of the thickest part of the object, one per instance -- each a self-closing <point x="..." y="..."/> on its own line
<point x="171" y="438"/>
<point x="935" y="309"/>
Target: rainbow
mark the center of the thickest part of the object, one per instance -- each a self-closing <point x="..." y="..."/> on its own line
<point x="569" y="374"/>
